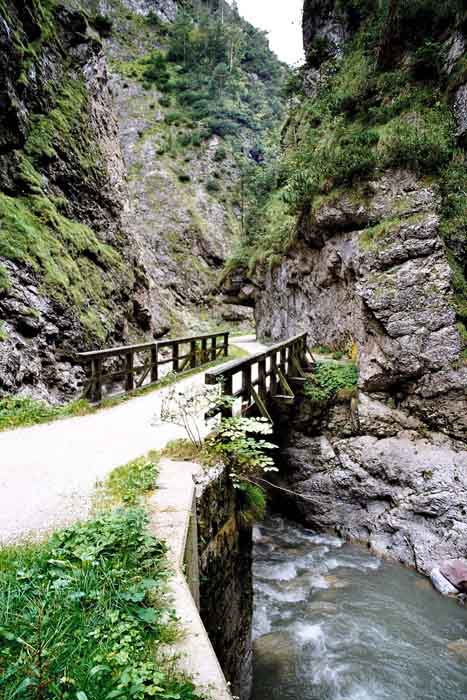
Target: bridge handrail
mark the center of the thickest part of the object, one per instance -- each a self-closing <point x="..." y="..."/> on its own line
<point x="134" y="376"/>
<point x="292" y="357"/>
<point x="123" y="349"/>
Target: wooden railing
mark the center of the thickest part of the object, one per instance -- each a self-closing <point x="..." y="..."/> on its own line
<point x="266" y="375"/>
<point x="134" y="366"/>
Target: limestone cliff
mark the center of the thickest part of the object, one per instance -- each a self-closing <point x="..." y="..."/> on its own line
<point x="120" y="175"/>
<point x="68" y="275"/>
<point x="373" y="174"/>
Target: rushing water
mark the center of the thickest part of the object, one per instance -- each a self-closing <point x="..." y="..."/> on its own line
<point x="333" y="622"/>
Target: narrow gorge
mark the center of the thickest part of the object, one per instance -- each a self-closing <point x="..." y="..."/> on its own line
<point x="165" y="177"/>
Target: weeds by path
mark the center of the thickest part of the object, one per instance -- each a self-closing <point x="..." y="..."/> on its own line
<point x="85" y="616"/>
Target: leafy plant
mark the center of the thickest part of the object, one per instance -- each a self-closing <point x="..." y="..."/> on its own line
<point x="83" y="615"/>
<point x="129" y="482"/>
<point x="329" y="379"/>
<point x="236" y="441"/>
<point x="252" y="503"/>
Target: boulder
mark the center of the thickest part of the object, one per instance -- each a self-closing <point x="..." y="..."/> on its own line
<point x="441" y="583"/>
<point x="455" y="571"/>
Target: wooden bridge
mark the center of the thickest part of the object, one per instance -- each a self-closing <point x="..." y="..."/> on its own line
<point x="266" y="376"/>
<point x="119" y="370"/>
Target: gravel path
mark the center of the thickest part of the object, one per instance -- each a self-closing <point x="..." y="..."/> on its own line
<point x="48" y="472"/>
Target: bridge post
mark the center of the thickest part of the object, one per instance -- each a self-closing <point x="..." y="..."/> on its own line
<point x="204" y="351"/>
<point x="154" y="364"/>
<point x="262" y="388"/>
<point x="226" y="344"/>
<point x="193" y="354"/>
<point x="129" y="372"/>
<point x="273" y="380"/>
<point x="227" y="390"/>
<point x="213" y="348"/>
<point x="175" y="362"/>
<point x="246" y="385"/>
<point x="96" y="393"/>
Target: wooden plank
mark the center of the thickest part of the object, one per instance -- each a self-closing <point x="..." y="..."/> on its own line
<point x="261" y="405"/>
<point x="123" y="349"/>
<point x="193" y="353"/>
<point x="175" y="358"/>
<point x="97" y="384"/>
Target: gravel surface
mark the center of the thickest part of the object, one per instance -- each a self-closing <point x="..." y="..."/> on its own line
<point x="48" y="472"/>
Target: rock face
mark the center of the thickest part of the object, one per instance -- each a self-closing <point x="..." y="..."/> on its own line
<point x="405" y="495"/>
<point x="370" y="273"/>
<point x="361" y="275"/>
<point x="184" y="231"/>
<point x="68" y="274"/>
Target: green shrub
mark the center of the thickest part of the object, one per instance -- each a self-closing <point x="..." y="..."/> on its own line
<point x="129" y="482"/>
<point x="331" y="378"/>
<point x="102" y="24"/>
<point x="165" y="101"/>
<point x="156" y="70"/>
<point x="212" y="186"/>
<point x="422" y="141"/>
<point x="252" y="503"/>
<point x="173" y="118"/>
<point x="4" y="279"/>
<point x="220" y="154"/>
<point x="84" y="614"/>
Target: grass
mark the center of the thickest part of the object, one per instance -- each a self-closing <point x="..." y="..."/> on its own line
<point x="21" y="411"/>
<point x="129" y="483"/>
<point x="84" y="616"/>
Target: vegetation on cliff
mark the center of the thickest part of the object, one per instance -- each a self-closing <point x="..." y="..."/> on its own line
<point x="382" y="101"/>
<point x="50" y="171"/>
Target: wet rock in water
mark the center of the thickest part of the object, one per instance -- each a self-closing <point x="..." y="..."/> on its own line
<point x="274" y="654"/>
<point x="321" y="607"/>
<point x="335" y="582"/>
<point x="459" y="647"/>
<point x="441" y="583"/>
<point x="455" y="571"/>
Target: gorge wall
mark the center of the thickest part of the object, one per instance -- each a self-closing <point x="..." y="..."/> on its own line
<point x="68" y="274"/>
<point x="373" y="264"/>
<point x="120" y="175"/>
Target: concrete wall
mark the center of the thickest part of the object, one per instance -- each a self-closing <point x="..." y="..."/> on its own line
<point x="226" y="589"/>
<point x="173" y="519"/>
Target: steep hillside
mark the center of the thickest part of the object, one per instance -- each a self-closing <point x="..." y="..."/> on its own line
<point x="196" y="91"/>
<point x="120" y="199"/>
<point x="359" y="238"/>
<point x="68" y="275"/>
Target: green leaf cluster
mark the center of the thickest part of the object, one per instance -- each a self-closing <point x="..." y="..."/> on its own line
<point x="331" y="379"/>
<point x="84" y="615"/>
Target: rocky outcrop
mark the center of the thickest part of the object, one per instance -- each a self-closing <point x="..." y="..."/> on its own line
<point x="68" y="273"/>
<point x="372" y="272"/>
<point x="183" y="227"/>
<point x="404" y="495"/>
